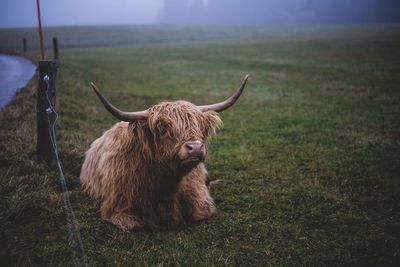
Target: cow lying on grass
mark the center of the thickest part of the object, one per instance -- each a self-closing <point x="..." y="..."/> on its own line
<point x="148" y="170"/>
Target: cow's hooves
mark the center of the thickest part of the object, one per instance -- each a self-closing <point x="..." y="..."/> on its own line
<point x="127" y="222"/>
<point x="204" y="213"/>
<point x="214" y="183"/>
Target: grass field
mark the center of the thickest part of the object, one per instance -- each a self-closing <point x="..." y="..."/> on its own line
<point x="309" y="156"/>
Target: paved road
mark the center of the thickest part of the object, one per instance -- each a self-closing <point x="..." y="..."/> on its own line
<point x="15" y="73"/>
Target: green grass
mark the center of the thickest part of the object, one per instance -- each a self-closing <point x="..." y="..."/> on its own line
<point x="309" y="156"/>
<point x="100" y="36"/>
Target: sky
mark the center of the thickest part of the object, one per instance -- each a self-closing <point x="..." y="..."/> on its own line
<point x="22" y="13"/>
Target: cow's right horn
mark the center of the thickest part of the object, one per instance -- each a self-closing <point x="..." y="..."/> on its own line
<point x="119" y="114"/>
<point x="221" y="106"/>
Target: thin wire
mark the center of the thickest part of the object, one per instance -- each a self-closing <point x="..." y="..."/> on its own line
<point x="73" y="229"/>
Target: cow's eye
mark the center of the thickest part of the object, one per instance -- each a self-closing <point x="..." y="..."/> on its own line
<point x="162" y="130"/>
<point x="206" y="132"/>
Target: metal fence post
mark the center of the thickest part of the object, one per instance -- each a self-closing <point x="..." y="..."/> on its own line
<point x="46" y="118"/>
<point x="24" y="45"/>
<point x="55" y="48"/>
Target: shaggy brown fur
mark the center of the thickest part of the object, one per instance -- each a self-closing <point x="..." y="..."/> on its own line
<point x="140" y="174"/>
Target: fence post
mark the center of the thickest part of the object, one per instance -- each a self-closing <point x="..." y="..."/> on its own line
<point x="25" y="48"/>
<point x="46" y="118"/>
<point x="55" y="48"/>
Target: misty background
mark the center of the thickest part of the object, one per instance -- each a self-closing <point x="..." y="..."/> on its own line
<point x="22" y="13"/>
<point x="279" y="11"/>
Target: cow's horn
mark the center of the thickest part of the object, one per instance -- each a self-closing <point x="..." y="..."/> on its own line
<point x="221" y="106"/>
<point x="119" y="114"/>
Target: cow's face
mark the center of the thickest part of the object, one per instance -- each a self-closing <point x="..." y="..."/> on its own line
<point x="180" y="132"/>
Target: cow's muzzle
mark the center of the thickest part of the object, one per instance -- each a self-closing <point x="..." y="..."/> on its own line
<point x="193" y="151"/>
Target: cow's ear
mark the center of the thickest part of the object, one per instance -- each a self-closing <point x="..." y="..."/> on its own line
<point x="211" y="123"/>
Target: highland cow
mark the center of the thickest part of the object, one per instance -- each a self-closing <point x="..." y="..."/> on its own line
<point x="148" y="171"/>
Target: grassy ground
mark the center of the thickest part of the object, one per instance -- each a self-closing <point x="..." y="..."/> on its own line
<point x="309" y="156"/>
<point x="101" y="36"/>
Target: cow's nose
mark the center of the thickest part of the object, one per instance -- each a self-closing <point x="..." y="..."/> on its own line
<point x="195" y="148"/>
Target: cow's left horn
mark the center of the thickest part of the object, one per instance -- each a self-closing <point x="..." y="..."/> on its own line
<point x="119" y="114"/>
<point x="221" y="106"/>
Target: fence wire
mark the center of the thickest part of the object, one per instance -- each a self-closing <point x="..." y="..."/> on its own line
<point x="75" y="240"/>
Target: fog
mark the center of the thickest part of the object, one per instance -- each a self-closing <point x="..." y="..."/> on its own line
<point x="279" y="11"/>
<point x="20" y="13"/>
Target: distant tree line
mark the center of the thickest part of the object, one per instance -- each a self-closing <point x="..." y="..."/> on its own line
<point x="280" y="11"/>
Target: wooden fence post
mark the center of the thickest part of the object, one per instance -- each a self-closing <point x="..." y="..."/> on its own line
<point x="24" y="45"/>
<point x="45" y="116"/>
<point x="55" y="48"/>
